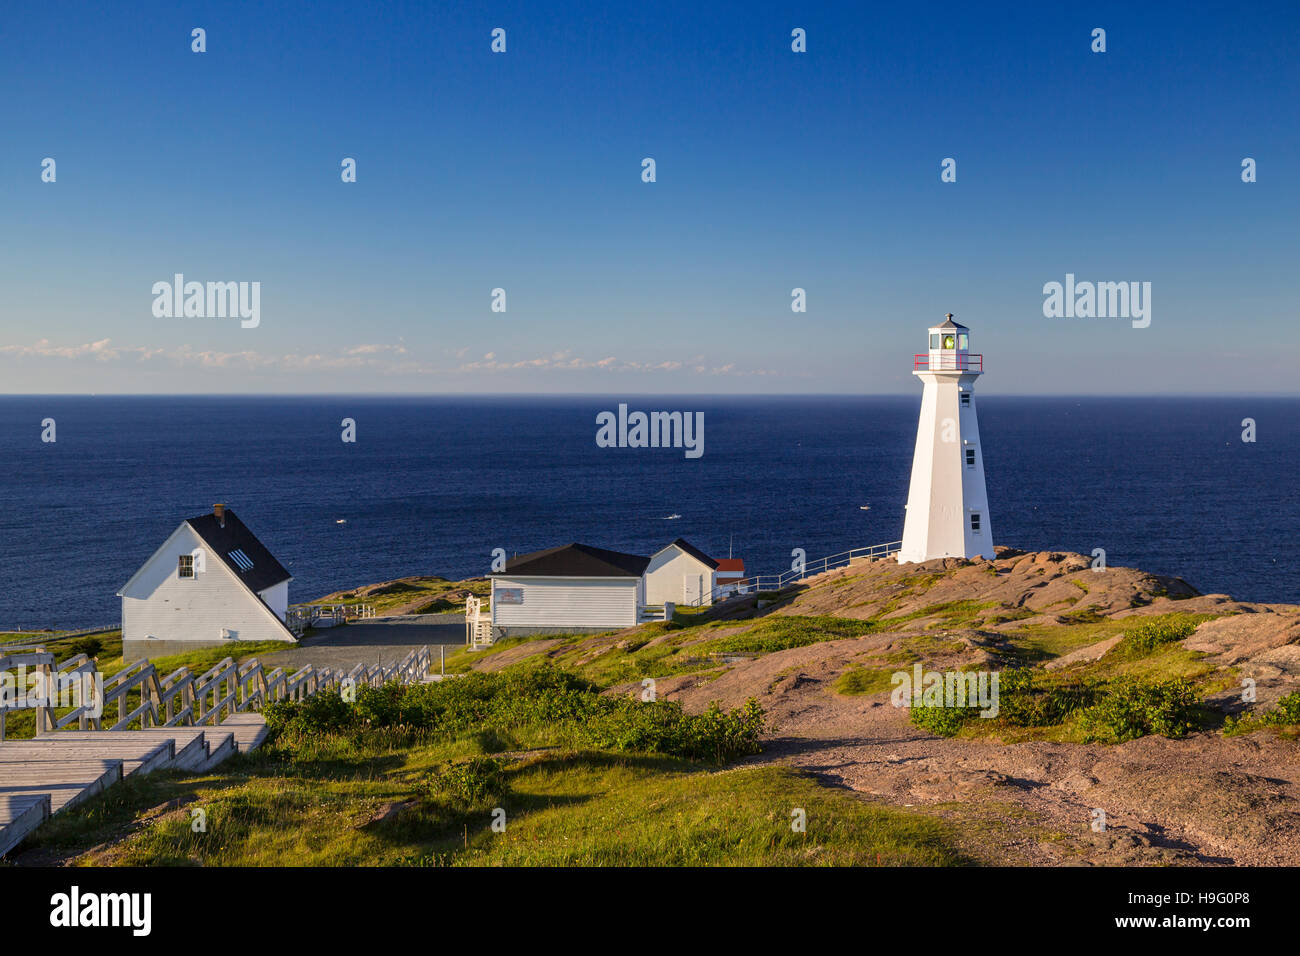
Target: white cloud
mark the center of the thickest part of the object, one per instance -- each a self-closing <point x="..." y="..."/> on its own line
<point x="385" y="358"/>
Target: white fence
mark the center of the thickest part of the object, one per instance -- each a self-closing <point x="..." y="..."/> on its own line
<point x="137" y="696"/>
<point x="299" y="617"/>
<point x="777" y="582"/>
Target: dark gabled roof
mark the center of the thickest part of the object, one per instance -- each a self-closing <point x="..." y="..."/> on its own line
<point x="950" y="325"/>
<point x="239" y="548"/>
<point x="695" y="553"/>
<point x="577" y="561"/>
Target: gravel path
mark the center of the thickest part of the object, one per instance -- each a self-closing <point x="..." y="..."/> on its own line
<point x="379" y="640"/>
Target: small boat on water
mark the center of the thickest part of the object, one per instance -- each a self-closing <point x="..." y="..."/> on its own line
<point x="342" y="521"/>
<point x="672" y="517"/>
<point x="864" y="507"/>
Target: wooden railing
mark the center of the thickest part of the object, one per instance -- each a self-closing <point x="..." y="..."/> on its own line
<point x="478" y="622"/>
<point x="299" y="617"/>
<point x="137" y="697"/>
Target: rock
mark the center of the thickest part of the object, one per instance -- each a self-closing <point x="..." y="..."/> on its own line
<point x="1092" y="652"/>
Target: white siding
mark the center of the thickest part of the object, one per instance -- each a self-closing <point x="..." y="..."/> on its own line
<point x="158" y="603"/>
<point x="665" y="577"/>
<point x="277" y="596"/>
<point x="568" y="602"/>
<point x="944" y="491"/>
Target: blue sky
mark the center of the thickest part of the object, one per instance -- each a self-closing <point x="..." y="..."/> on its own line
<point x="522" y="171"/>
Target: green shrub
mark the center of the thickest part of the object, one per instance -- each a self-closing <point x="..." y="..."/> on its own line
<point x="1285" y="714"/>
<point x="1133" y="707"/>
<point x="1025" y="700"/>
<point x="942" y="721"/>
<point x="1287" y="711"/>
<point x="1141" y="639"/>
<point x="472" y="782"/>
<point x="663" y="727"/>
<point x="320" y="713"/>
<point x="90" y="646"/>
<point x="492" y="705"/>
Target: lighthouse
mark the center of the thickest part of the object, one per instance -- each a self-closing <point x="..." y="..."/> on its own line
<point x="947" y="505"/>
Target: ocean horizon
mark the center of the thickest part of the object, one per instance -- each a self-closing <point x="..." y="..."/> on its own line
<point x="433" y="484"/>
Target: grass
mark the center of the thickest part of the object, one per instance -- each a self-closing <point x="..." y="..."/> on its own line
<point x="859" y="680"/>
<point x="562" y="808"/>
<point x="664" y="650"/>
<point x="1040" y="643"/>
<point x="659" y="650"/>
<point x="1284" y="718"/>
<point x="420" y="782"/>
<point x="876" y="674"/>
<point x="694" y="650"/>
<point x="422" y="594"/>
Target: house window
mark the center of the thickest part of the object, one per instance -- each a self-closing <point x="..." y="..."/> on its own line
<point x="965" y="399"/>
<point x="970" y="457"/>
<point x="185" y="566"/>
<point x="975" y="524"/>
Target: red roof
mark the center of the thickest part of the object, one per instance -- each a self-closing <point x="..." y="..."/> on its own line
<point x="732" y="564"/>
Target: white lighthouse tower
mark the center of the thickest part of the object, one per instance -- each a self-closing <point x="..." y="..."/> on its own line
<point x="947" y="505"/>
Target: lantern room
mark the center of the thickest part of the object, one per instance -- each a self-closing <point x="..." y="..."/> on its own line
<point x="949" y="351"/>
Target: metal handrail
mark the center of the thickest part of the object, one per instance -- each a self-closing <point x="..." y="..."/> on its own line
<point x="948" y="362"/>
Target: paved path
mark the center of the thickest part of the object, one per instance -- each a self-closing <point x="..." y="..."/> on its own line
<point x="380" y="640"/>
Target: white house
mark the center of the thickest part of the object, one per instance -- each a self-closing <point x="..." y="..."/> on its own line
<point x="211" y="582"/>
<point x="680" y="574"/>
<point x="568" y="590"/>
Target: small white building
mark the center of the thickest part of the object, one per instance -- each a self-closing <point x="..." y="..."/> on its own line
<point x="680" y="574"/>
<point x="730" y="578"/>
<point x="210" y="583"/>
<point x="947" y="503"/>
<point x="574" y="589"/>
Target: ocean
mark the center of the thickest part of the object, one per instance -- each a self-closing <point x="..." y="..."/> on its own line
<point x="433" y="485"/>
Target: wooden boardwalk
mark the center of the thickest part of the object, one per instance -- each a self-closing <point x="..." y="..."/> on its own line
<point x="40" y="777"/>
<point x="179" y="722"/>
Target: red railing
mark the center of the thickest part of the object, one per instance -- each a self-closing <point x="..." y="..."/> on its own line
<point x="948" y="362"/>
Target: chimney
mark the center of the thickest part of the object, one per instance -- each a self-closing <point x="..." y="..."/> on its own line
<point x="219" y="511"/>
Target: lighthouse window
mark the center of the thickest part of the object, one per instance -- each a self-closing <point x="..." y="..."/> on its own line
<point x="975" y="524"/>
<point x="965" y="399"/>
<point x="970" y="457"/>
<point x="948" y="341"/>
<point x="934" y="340"/>
<point x="963" y="340"/>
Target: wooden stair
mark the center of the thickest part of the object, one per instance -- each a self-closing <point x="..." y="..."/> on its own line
<point x="40" y="777"/>
<point x="62" y="767"/>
